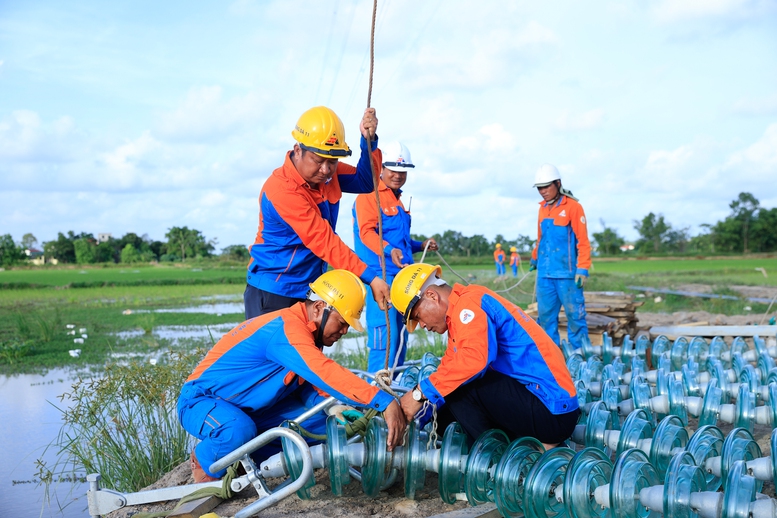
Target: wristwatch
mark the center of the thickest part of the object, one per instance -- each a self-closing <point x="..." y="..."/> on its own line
<point x="418" y="395"/>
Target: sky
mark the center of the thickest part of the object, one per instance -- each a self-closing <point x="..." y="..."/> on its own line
<point x="139" y="116"/>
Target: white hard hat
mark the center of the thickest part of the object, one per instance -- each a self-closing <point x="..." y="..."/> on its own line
<point x="396" y="157"/>
<point x="546" y="175"/>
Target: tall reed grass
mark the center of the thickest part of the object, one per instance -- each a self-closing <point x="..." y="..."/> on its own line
<point x="123" y="424"/>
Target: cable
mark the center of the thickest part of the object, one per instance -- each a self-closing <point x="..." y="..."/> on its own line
<point x="514" y="285"/>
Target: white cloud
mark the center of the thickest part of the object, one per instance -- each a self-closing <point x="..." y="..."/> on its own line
<point x="493" y="58"/>
<point x="757" y="106"/>
<point x="204" y="114"/>
<point x="24" y="138"/>
<point x="674" y="11"/>
<point x="591" y="119"/>
<point x="758" y="162"/>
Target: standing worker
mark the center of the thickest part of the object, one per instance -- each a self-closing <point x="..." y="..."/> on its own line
<point x="561" y="256"/>
<point x="298" y="209"/>
<point x="272" y="368"/>
<point x="397" y="248"/>
<point x="499" y="259"/>
<point x="499" y="370"/>
<point x="515" y="260"/>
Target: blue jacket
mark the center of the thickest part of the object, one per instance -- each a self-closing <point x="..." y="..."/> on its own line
<point x="488" y="331"/>
<point x="265" y="359"/>
<point x="296" y="238"/>
<point x="396" y="230"/>
<point x="562" y="249"/>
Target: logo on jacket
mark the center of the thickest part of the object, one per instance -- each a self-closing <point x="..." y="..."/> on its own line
<point x="582" y="220"/>
<point x="466" y="316"/>
<point x="563" y="213"/>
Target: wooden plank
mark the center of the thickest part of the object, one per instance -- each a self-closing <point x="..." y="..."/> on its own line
<point x="673" y="332"/>
<point x="488" y="510"/>
<point x="694" y="324"/>
<point x="196" y="508"/>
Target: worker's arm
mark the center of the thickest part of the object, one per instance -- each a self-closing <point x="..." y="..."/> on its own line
<point x="359" y="179"/>
<point x="580" y="228"/>
<point x="304" y="218"/>
<point x="465" y="359"/>
<point x="299" y="354"/>
<point x="367" y="222"/>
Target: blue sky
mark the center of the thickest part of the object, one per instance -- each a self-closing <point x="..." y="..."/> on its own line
<point x="139" y="116"/>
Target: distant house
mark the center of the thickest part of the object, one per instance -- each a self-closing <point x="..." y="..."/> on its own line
<point x="35" y="256"/>
<point x="103" y="237"/>
<point x="628" y="247"/>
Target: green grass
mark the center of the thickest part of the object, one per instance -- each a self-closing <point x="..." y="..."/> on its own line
<point x="97" y="276"/>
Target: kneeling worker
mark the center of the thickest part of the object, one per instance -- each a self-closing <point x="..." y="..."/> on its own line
<point x="271" y="368"/>
<point x="500" y="369"/>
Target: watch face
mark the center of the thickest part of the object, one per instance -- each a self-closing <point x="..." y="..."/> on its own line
<point x="417" y="395"/>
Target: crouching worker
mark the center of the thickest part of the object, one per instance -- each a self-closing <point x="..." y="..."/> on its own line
<point x="499" y="370"/>
<point x="272" y="368"/>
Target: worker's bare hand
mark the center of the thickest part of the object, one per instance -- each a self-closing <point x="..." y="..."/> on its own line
<point x="409" y="405"/>
<point x="396" y="423"/>
<point x="432" y="245"/>
<point x="369" y="123"/>
<point x="381" y="293"/>
<point x="396" y="257"/>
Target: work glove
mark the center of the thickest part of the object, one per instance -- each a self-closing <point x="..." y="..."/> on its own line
<point x="344" y="413"/>
<point x="580" y="280"/>
<point x="532" y="267"/>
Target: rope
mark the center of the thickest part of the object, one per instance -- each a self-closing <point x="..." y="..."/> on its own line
<point x="356" y="427"/>
<point x="375" y="181"/>
<point x="451" y="269"/>
<point x="514" y="285"/>
<point x="224" y="492"/>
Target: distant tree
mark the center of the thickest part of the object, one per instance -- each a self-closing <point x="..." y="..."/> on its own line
<point x="652" y="231"/>
<point x="129" y="254"/>
<point x="608" y="241"/>
<point x="105" y="252"/>
<point x="677" y="240"/>
<point x="235" y="253"/>
<point x="524" y="244"/>
<point x="764" y="231"/>
<point x="190" y="242"/>
<point x="10" y="252"/>
<point x="29" y="241"/>
<point x="702" y="242"/>
<point x="61" y="249"/>
<point x="744" y="209"/>
<point x="85" y="250"/>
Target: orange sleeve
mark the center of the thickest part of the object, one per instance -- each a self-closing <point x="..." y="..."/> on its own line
<point x="316" y="234"/>
<point x="580" y="228"/>
<point x="367" y="220"/>
<point x="467" y="354"/>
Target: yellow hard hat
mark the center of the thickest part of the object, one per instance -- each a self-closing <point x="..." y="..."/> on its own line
<point x="343" y="291"/>
<point x="499" y="245"/>
<point x="407" y="286"/>
<point x="513" y="249"/>
<point x="321" y="131"/>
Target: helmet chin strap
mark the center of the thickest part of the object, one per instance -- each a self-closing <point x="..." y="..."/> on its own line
<point x="321" y="326"/>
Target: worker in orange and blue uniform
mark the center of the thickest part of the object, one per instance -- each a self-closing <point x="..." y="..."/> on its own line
<point x="298" y="209"/>
<point x="272" y="368"/>
<point x="397" y="249"/>
<point x="561" y="256"/>
<point x="500" y="369"/>
<point x="515" y="260"/>
<point x="499" y="259"/>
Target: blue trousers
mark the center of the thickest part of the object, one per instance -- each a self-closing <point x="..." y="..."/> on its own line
<point x="376" y="335"/>
<point x="223" y="427"/>
<point x="515" y="270"/>
<point x="500" y="268"/>
<point x="551" y="294"/>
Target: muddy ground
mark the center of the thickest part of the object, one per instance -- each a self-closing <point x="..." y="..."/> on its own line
<point x="392" y="503"/>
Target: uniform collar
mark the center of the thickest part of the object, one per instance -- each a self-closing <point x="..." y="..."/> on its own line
<point x="383" y="187"/>
<point x="456" y="292"/>
<point x="562" y="199"/>
<point x="290" y="172"/>
<point x="301" y="312"/>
